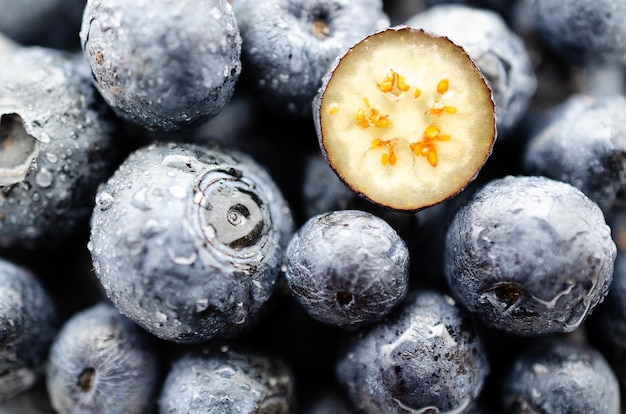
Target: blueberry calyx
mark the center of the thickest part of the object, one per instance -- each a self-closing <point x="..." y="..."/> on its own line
<point x="86" y="379"/>
<point x="18" y="149"/>
<point x="228" y="212"/>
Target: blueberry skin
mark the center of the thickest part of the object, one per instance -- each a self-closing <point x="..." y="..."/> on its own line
<point x="496" y="49"/>
<point x="583" y="143"/>
<point x="102" y="362"/>
<point x="28" y="324"/>
<point x="161" y="64"/>
<point x="50" y="23"/>
<point x="425" y="357"/>
<point x="529" y="255"/>
<point x="607" y="326"/>
<point x="58" y="146"/>
<point x="188" y="240"/>
<point x="558" y="376"/>
<point x="590" y="31"/>
<point x="347" y="268"/>
<point x="288" y="45"/>
<point x="225" y="380"/>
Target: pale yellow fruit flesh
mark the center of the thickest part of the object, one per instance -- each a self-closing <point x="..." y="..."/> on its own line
<point x="406" y="119"/>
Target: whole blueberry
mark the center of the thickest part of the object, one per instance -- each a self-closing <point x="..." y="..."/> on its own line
<point x="583" y="142"/>
<point x="425" y="357"/>
<point x="101" y="362"/>
<point x="188" y="240"/>
<point x="163" y="64"/>
<point x="589" y="31"/>
<point x="497" y="50"/>
<point x="529" y="255"/>
<point x="607" y="325"/>
<point x="225" y="380"/>
<point x="347" y="268"/>
<point x="51" y="23"/>
<point x="558" y="376"/>
<point x="288" y="45"/>
<point x="56" y="139"/>
<point x="28" y="324"/>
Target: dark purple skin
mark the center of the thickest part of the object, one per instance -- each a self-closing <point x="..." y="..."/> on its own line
<point x="529" y="255"/>
<point x="558" y="376"/>
<point x="347" y="268"/>
<point x="160" y="64"/>
<point x="584" y="143"/>
<point x="426" y="355"/>
<point x="102" y="362"/>
<point x="188" y="240"/>
<point x="49" y="23"/>
<point x="28" y="324"/>
<point x="226" y="380"/>
<point x="582" y="32"/>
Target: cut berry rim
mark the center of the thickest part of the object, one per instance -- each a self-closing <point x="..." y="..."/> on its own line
<point x="405" y="118"/>
<point x="18" y="150"/>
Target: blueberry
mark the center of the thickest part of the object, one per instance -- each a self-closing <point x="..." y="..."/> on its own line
<point x="164" y="65"/>
<point x="35" y="400"/>
<point x="102" y="362"/>
<point x="347" y="268"/>
<point x="426" y="357"/>
<point x="188" y="240"/>
<point x="607" y="325"/>
<point x="582" y="31"/>
<point x="559" y="376"/>
<point x="56" y="147"/>
<point x="529" y="255"/>
<point x="226" y="380"/>
<point x="583" y="143"/>
<point x="28" y="324"/>
<point x="288" y="45"/>
<point x="498" y="52"/>
<point x="51" y="23"/>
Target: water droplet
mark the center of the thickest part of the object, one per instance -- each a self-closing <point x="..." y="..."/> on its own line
<point x="202" y="305"/>
<point x="44" y="137"/>
<point x="178" y="191"/>
<point x="161" y="317"/>
<point x="36" y="197"/>
<point x="105" y="201"/>
<point x="139" y="199"/>
<point x="44" y="178"/>
<point x="52" y="158"/>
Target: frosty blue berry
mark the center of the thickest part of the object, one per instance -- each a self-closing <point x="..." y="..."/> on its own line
<point x="187" y="240"/>
<point x="163" y="65"/>
<point x="529" y="255"/>
<point x="347" y="268"/>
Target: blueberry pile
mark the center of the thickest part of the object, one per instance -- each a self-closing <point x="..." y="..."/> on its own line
<point x="175" y="239"/>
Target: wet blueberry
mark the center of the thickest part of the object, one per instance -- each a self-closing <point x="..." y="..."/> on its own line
<point x="498" y="52"/>
<point x="164" y="65"/>
<point x="226" y="380"/>
<point x="347" y="268"/>
<point x="607" y="325"/>
<point x="101" y="362"/>
<point x="28" y="324"/>
<point x="51" y="23"/>
<point x="56" y="147"/>
<point x="427" y="356"/>
<point x="529" y="255"/>
<point x="557" y="376"/>
<point x="288" y="45"/>
<point x="590" y="31"/>
<point x="584" y="143"/>
<point x="188" y="240"/>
